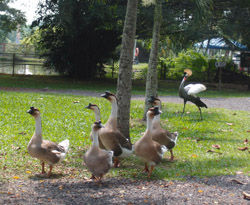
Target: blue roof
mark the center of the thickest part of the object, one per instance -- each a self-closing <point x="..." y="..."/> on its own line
<point x="220" y="43"/>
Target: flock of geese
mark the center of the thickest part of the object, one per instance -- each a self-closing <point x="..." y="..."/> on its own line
<point x="109" y="145"/>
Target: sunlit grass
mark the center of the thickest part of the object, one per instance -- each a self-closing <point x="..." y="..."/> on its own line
<point x="62" y="118"/>
<point x="165" y="88"/>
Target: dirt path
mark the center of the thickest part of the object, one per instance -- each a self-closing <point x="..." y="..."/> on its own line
<point x="214" y="190"/>
<point x="241" y="103"/>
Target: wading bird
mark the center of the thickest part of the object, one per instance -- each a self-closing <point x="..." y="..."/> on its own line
<point x="188" y="93"/>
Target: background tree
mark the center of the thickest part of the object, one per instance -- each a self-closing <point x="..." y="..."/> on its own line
<point x="152" y="83"/>
<point x="124" y="83"/>
<point x="10" y="18"/>
<point x="79" y="36"/>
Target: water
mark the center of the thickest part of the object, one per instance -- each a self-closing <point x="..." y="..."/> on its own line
<point x="25" y="69"/>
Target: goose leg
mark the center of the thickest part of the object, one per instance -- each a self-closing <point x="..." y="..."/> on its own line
<point x="50" y="170"/>
<point x="116" y="162"/>
<point x="184" y="108"/>
<point x="146" y="167"/>
<point x="43" y="170"/>
<point x="150" y="172"/>
<point x="172" y="155"/>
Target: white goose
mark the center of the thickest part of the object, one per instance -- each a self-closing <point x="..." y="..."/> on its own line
<point x="44" y="150"/>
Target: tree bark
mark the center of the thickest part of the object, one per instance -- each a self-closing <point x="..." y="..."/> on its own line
<point x="152" y="82"/>
<point x="124" y="83"/>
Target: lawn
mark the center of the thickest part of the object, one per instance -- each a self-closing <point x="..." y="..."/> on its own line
<point x="64" y="117"/>
<point x="58" y="82"/>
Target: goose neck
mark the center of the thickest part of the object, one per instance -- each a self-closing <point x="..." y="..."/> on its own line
<point x="38" y="130"/>
<point x="97" y="115"/>
<point x="95" y="139"/>
<point x="156" y="121"/>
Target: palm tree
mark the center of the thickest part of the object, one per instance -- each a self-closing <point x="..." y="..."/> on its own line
<point x="124" y="83"/>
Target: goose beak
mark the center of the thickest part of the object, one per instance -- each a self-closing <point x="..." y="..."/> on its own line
<point x="104" y="95"/>
<point x="30" y="111"/>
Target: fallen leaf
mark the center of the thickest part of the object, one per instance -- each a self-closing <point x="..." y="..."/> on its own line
<point x="229" y="123"/>
<point x="200" y="191"/>
<point x="185" y="128"/>
<point x="239" y="172"/>
<point x="143" y="188"/>
<point x="238" y="182"/>
<point x="216" y="146"/>
<point x="248" y="130"/>
<point x="194" y="156"/>
<point x="61" y="187"/>
<point x="28" y="172"/>
<point x="246" y="195"/>
<point x="76" y="101"/>
<point x="242" y="148"/>
<point x="145" y="201"/>
<point x="16" y="177"/>
<point x="210" y="150"/>
<point x="245" y="141"/>
<point x="121" y="191"/>
<point x="22" y="133"/>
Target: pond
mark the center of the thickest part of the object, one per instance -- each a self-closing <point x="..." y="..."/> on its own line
<point x="26" y="69"/>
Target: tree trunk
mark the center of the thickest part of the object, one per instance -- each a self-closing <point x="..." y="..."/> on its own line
<point x="152" y="83"/>
<point x="124" y="83"/>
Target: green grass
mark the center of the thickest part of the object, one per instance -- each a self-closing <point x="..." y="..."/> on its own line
<point x="57" y="82"/>
<point x="62" y="118"/>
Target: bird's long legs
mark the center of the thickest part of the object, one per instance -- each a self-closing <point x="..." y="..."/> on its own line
<point x="200" y="113"/>
<point x="184" y="108"/>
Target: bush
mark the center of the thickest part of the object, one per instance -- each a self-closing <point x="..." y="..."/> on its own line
<point x="190" y="59"/>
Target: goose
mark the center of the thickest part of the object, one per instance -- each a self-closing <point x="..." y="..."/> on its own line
<point x="96" y="110"/>
<point x="44" y="150"/>
<point x="147" y="149"/>
<point x="188" y="93"/>
<point x="97" y="160"/>
<point x="160" y="135"/>
<point x="110" y="135"/>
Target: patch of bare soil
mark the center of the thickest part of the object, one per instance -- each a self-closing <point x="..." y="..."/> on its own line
<point x="213" y="190"/>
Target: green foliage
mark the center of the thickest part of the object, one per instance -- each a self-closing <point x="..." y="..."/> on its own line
<point x="192" y="60"/>
<point x="62" y="118"/>
<point x="10" y="18"/>
<point x="77" y="37"/>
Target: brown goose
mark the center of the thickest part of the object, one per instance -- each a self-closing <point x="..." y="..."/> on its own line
<point x="44" y="150"/>
<point x="160" y="135"/>
<point x="98" y="161"/>
<point x="146" y="148"/>
<point x="111" y="137"/>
